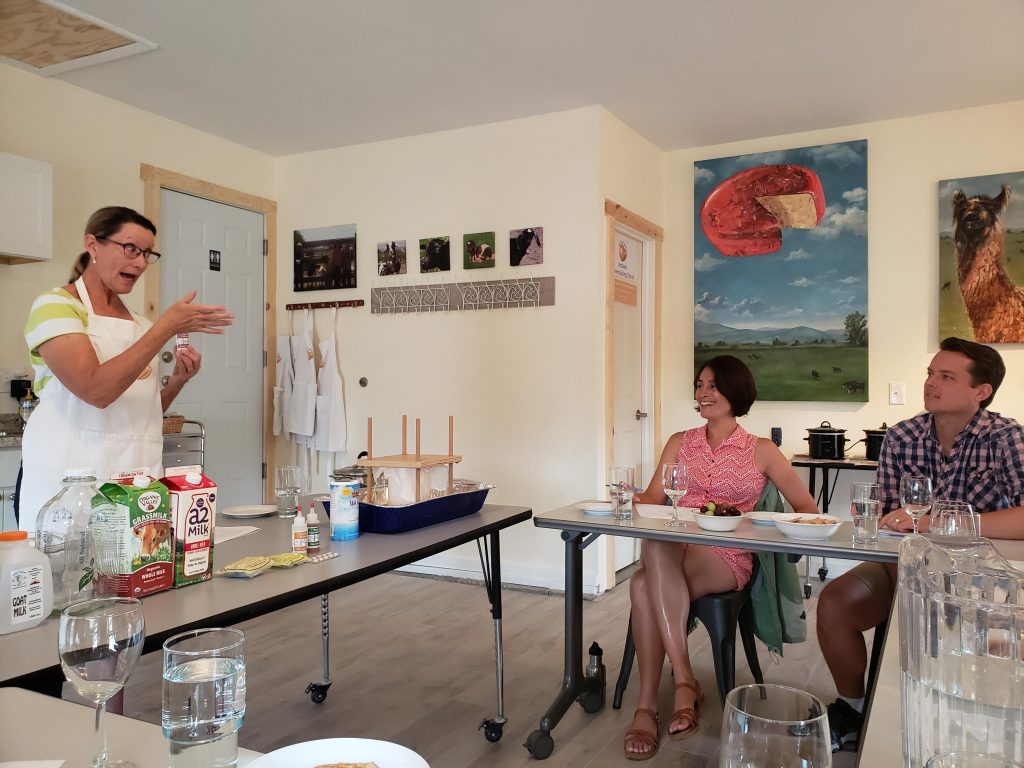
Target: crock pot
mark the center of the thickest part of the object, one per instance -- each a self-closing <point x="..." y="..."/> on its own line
<point x="873" y="440"/>
<point x="826" y="441"/>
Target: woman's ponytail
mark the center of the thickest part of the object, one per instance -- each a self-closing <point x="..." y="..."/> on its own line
<point x="78" y="268"/>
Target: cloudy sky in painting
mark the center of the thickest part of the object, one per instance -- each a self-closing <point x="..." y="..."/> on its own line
<point x="818" y="277"/>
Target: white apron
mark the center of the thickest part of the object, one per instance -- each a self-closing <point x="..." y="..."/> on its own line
<point x="284" y="376"/>
<point x="300" y="415"/>
<point x="331" y="431"/>
<point x="66" y="432"/>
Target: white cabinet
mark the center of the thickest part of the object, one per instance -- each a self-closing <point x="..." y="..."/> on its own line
<point x="26" y="203"/>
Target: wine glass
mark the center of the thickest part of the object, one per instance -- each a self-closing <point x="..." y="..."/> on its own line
<point x="675" y="480"/>
<point x="774" y="725"/>
<point x="915" y="496"/>
<point x="99" y="642"/>
<point x="621" y="489"/>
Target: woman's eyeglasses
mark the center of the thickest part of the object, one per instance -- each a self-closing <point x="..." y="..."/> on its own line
<point x="131" y="250"/>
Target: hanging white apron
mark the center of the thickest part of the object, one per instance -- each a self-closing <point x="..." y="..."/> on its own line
<point x="301" y="413"/>
<point x="284" y="376"/>
<point x="66" y="432"/>
<point x="331" y="432"/>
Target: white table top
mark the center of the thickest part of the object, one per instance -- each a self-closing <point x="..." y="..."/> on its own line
<point x="223" y="601"/>
<point x="37" y="727"/>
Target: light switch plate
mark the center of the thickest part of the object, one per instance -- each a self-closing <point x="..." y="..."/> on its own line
<point x="897" y="393"/>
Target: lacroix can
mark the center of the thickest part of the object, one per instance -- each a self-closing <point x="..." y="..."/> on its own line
<point x="344" y="510"/>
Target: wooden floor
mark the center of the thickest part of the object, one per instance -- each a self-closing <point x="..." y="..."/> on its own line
<point x="412" y="661"/>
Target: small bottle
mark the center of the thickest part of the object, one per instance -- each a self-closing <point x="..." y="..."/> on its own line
<point x="312" y="531"/>
<point x="181" y="341"/>
<point x="26" y="587"/>
<point x="300" y="535"/>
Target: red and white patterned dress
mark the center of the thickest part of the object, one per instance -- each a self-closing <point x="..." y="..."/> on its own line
<point x="727" y="473"/>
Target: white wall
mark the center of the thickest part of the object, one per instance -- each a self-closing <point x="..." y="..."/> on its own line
<point x="906" y="160"/>
<point x="525" y="386"/>
<point x="95" y="145"/>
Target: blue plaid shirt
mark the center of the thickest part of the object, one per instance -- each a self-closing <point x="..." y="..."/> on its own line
<point x="985" y="467"/>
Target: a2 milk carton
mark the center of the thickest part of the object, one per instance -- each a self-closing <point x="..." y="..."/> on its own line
<point x="133" y="539"/>
<point x="193" y="503"/>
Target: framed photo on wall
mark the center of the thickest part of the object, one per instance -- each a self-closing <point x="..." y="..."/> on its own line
<point x="325" y="258"/>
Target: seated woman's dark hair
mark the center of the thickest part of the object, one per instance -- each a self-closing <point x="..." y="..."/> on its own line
<point x="105" y="223"/>
<point x="734" y="380"/>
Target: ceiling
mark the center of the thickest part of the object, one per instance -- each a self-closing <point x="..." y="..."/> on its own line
<point x="293" y="76"/>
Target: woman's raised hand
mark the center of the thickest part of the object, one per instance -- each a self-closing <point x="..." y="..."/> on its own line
<point x="186" y="317"/>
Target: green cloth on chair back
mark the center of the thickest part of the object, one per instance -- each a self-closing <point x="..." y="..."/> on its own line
<point x="775" y="594"/>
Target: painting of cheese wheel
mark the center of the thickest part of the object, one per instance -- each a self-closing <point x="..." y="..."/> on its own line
<point x="745" y="214"/>
<point x="780" y="269"/>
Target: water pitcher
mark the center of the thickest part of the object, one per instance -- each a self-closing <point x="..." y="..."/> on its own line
<point x="961" y="614"/>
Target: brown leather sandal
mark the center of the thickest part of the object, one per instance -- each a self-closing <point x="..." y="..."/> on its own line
<point x="644" y="738"/>
<point x="690" y="716"/>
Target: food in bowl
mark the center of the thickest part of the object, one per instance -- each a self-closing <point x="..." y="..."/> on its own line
<point x="816" y="527"/>
<point x="719" y="509"/>
<point x="812" y="520"/>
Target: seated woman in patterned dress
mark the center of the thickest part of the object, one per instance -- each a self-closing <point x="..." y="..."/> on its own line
<point x="726" y="464"/>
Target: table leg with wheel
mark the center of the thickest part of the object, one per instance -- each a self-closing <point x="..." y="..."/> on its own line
<point x="492" y="582"/>
<point x="318" y="691"/>
<point x="589" y="692"/>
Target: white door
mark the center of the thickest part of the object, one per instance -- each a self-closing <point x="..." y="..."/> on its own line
<point x="631" y="386"/>
<point x="218" y="250"/>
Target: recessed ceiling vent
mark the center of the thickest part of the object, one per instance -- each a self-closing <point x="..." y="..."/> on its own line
<point x="49" y="38"/>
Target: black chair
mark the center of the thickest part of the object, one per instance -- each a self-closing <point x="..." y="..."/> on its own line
<point x="720" y="613"/>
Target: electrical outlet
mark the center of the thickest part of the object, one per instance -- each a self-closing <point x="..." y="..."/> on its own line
<point x="897" y="393"/>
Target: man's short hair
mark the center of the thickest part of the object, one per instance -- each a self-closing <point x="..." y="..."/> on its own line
<point x="986" y="366"/>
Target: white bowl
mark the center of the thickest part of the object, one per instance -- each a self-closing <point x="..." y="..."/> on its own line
<point x="791" y="526"/>
<point x="717" y="522"/>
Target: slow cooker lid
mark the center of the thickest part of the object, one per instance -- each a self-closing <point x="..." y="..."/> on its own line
<point x="880" y="431"/>
<point x="826" y="429"/>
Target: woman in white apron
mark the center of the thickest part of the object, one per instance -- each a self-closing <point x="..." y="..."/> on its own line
<point x="100" y="401"/>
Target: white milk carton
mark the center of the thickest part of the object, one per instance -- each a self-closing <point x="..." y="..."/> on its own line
<point x="193" y="509"/>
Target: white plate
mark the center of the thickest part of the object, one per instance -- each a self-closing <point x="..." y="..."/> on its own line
<point x="595" y="507"/>
<point x="252" y="510"/>
<point x="309" y="754"/>
<point x="806" y="531"/>
<point x="762" y="518"/>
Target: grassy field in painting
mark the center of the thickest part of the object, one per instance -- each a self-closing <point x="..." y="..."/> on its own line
<point x="785" y="373"/>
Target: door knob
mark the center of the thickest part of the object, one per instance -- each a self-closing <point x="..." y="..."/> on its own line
<point x="640" y="414"/>
<point x="167" y="357"/>
<point x="164" y="380"/>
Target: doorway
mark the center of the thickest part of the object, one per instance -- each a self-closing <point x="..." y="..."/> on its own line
<point x="221" y="241"/>
<point x="633" y="360"/>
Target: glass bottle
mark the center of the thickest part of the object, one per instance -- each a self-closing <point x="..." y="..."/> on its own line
<point x="63" y="535"/>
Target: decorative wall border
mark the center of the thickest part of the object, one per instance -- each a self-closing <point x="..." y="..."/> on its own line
<point x="452" y="297"/>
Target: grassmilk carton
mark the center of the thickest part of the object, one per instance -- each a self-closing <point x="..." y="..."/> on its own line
<point x="133" y="540"/>
<point x="193" y="508"/>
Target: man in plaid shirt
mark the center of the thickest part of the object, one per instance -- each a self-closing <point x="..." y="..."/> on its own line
<point x="971" y="454"/>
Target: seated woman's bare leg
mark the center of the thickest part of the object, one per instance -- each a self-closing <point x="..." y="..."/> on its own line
<point x="650" y="657"/>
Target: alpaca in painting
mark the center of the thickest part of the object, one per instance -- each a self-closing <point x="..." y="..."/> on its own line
<point x="994" y="304"/>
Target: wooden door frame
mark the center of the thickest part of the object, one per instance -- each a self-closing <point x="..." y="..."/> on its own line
<point x="616" y="214"/>
<point x="155" y="179"/>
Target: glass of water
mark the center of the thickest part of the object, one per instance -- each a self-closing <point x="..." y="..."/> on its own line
<point x="774" y="725"/>
<point x="99" y="642"/>
<point x="954" y="521"/>
<point x="864" y="509"/>
<point x="204" y="697"/>
<point x="620" y="488"/>
<point x="287" y="491"/>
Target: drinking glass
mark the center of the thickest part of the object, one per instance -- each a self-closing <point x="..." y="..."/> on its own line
<point x="954" y="520"/>
<point x="204" y="697"/>
<point x="99" y="641"/>
<point x="968" y="760"/>
<point x="620" y="488"/>
<point x="915" y="496"/>
<point x="675" y="480"/>
<point x="774" y="726"/>
<point x="864" y="509"/>
<point x="287" y="491"/>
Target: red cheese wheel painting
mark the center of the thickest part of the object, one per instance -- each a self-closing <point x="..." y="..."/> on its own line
<point x="745" y="214"/>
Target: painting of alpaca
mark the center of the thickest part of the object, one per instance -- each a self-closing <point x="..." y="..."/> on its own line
<point x="982" y="254"/>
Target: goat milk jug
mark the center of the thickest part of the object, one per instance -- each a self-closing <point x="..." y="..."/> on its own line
<point x="26" y="588"/>
<point x="133" y="540"/>
<point x="193" y="508"/>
